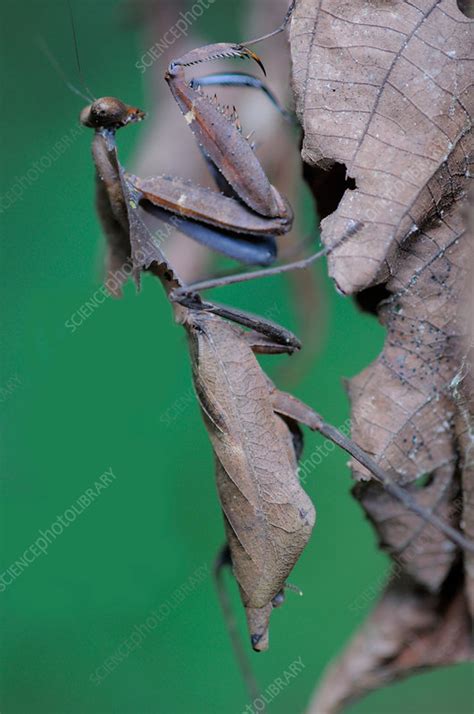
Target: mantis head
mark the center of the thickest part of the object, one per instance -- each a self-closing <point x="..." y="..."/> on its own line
<point x="109" y="113"/>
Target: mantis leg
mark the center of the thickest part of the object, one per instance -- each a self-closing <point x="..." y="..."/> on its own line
<point x="222" y="561"/>
<point x="249" y="250"/>
<point x="272" y="336"/>
<point x="241" y="79"/>
<point x="263" y="345"/>
<point x="236" y="79"/>
<point x="268" y="272"/>
<point x="198" y="203"/>
<point x="218" y="133"/>
<point x="146" y="237"/>
<point x="226" y="212"/>
<point x="247" y="235"/>
<point x="291" y="407"/>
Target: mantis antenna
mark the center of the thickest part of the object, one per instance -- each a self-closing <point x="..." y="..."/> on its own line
<point x="43" y="45"/>
<point x="76" y="51"/>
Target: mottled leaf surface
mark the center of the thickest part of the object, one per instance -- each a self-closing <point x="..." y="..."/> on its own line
<point x="382" y="87"/>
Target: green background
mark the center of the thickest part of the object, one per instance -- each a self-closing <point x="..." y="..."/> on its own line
<point x="96" y="399"/>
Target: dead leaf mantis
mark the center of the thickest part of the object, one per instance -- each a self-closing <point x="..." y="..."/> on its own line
<point x="251" y="424"/>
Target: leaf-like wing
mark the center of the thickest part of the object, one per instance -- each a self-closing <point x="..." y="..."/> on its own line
<point x="268" y="516"/>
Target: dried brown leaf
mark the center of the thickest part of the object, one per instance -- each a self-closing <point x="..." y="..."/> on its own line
<point x="403" y="410"/>
<point x="408" y="630"/>
<point x="384" y="90"/>
<point x="463" y="393"/>
<point x="420" y="549"/>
